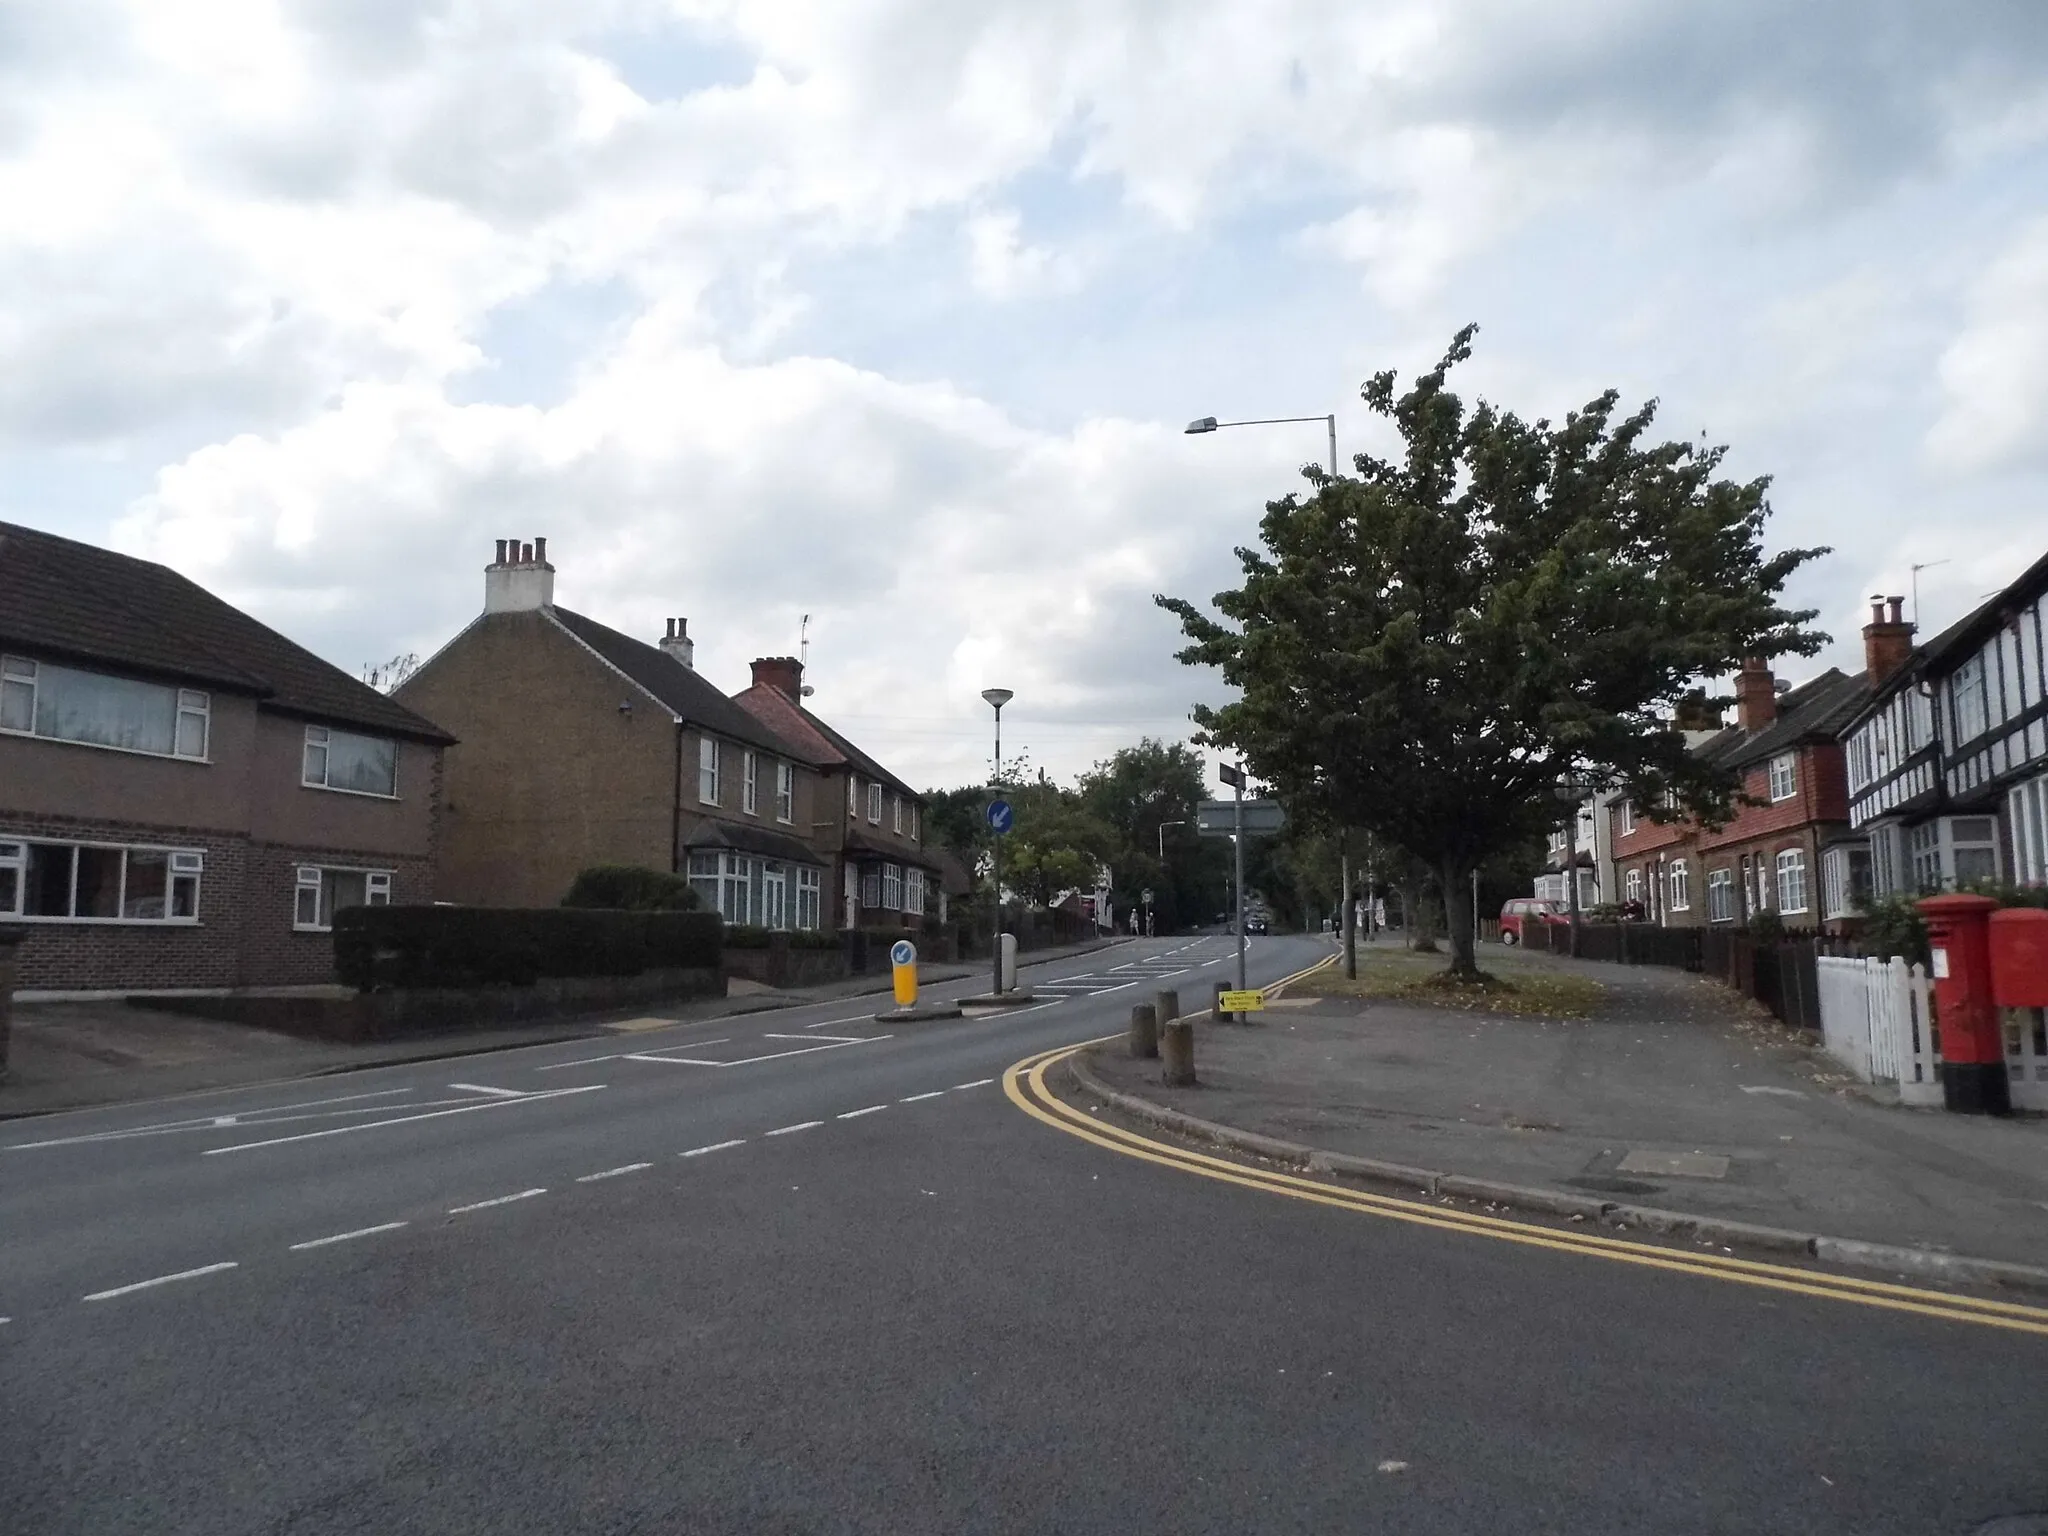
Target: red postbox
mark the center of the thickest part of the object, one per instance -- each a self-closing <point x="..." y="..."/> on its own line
<point x="2019" y="958"/>
<point x="1974" y="1079"/>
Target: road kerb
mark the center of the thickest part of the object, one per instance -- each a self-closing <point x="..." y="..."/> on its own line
<point x="1847" y="1253"/>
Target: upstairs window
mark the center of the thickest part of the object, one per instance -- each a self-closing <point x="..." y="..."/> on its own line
<point x="355" y="765"/>
<point x="896" y="814"/>
<point x="1972" y="699"/>
<point x="785" y="792"/>
<point x="750" y="769"/>
<point x="707" y="770"/>
<point x="1628" y="817"/>
<point x="95" y="710"/>
<point x="1784" y="776"/>
<point x="852" y="797"/>
<point x="875" y="804"/>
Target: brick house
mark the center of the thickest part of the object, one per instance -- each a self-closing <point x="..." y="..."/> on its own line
<point x="186" y="796"/>
<point x="1792" y="807"/>
<point x="871" y="823"/>
<point x="1948" y="763"/>
<point x="581" y="745"/>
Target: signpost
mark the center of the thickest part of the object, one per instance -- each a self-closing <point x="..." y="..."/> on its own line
<point x="1001" y="817"/>
<point x="1233" y="775"/>
<point x="903" y="972"/>
<point x="1241" y="1002"/>
<point x="1215" y="818"/>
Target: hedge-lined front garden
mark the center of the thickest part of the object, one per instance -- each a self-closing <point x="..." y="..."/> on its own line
<point x="380" y="947"/>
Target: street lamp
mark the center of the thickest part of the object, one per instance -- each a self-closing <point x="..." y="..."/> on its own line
<point x="996" y="698"/>
<point x="1162" y="837"/>
<point x="1195" y="428"/>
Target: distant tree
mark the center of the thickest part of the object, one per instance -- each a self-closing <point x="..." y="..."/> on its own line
<point x="387" y="676"/>
<point x="1427" y="649"/>
<point x="1147" y="795"/>
<point x="954" y="818"/>
<point x="1055" y="846"/>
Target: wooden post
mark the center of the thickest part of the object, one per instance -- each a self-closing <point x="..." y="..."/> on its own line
<point x="1216" y="1004"/>
<point x="1177" y="1053"/>
<point x="1144" y="1030"/>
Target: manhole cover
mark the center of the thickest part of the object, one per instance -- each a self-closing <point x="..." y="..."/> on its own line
<point x="1676" y="1165"/>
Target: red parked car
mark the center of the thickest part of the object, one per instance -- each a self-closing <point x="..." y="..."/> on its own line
<point x="1529" y="909"/>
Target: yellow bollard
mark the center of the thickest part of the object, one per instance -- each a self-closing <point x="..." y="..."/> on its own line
<point x="903" y="961"/>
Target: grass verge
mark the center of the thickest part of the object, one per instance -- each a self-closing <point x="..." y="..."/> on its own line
<point x="1399" y="976"/>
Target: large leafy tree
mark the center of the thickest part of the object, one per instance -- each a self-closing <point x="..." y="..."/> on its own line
<point x="1147" y="796"/>
<point x="1428" y="648"/>
<point x="1056" y="846"/>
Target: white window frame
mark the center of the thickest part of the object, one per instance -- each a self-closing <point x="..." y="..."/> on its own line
<point x="913" y="822"/>
<point x="785" y="792"/>
<point x="183" y="867"/>
<point x="1679" y="878"/>
<point x="775" y="912"/>
<point x="896" y="814"/>
<point x="1721" y="895"/>
<point x="913" y="890"/>
<point x="316" y="881"/>
<point x="1632" y="885"/>
<point x="810" y="893"/>
<point x="1792" y="881"/>
<point x="875" y="805"/>
<point x="892" y="888"/>
<point x="750" y="768"/>
<point x="320" y="739"/>
<point x="708" y="786"/>
<point x="1838" y="879"/>
<point x="21" y="675"/>
<point x="1628" y="817"/>
<point x="852" y="797"/>
<point x="1784" y="776"/>
<point x="1970" y="681"/>
<point x="2027" y="811"/>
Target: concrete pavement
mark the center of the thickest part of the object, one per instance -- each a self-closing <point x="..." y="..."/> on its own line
<point x="889" y="1302"/>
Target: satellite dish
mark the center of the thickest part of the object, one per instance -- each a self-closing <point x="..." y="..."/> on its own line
<point x="807" y="690"/>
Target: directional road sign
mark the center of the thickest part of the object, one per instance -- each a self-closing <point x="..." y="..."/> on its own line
<point x="1218" y="818"/>
<point x="1241" y="1002"/>
<point x="1001" y="815"/>
<point x="902" y="952"/>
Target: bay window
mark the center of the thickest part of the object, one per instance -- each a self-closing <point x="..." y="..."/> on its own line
<point x="809" y="892"/>
<point x="892" y="888"/>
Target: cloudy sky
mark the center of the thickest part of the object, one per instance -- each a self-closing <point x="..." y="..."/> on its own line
<point x="892" y="313"/>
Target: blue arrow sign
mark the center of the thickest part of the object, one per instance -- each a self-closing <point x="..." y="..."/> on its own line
<point x="1001" y="816"/>
<point x="902" y="953"/>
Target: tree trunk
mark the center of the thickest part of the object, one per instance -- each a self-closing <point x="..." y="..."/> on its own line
<point x="1462" y="920"/>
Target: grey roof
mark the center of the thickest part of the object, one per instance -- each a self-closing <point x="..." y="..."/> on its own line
<point x="685" y="692"/>
<point x="745" y="839"/>
<point x="66" y="599"/>
<point x="1815" y="710"/>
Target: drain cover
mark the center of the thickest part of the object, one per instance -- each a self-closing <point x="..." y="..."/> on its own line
<point x="1676" y="1165"/>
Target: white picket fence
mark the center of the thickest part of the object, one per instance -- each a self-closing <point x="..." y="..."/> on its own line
<point x="1877" y="1019"/>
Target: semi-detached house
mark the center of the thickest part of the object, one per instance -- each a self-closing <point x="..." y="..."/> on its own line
<point x="186" y="796"/>
<point x="581" y="746"/>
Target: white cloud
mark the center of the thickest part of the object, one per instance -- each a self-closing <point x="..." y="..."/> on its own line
<point x="1994" y="375"/>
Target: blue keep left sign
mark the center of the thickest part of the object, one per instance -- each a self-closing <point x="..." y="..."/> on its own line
<point x="1001" y="815"/>
<point x="902" y="952"/>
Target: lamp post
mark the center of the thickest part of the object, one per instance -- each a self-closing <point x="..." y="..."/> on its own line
<point x="1199" y="425"/>
<point x="996" y="699"/>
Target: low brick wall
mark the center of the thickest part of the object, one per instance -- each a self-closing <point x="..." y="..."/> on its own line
<point x="787" y="965"/>
<point x="390" y="1015"/>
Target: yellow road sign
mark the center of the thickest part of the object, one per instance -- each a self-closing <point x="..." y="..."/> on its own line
<point x="1242" y="1002"/>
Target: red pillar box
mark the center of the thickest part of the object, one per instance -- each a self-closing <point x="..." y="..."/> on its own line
<point x="1973" y="1072"/>
<point x="2019" y="958"/>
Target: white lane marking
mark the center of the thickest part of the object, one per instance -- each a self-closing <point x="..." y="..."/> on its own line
<point x="580" y="1061"/>
<point x="496" y="1093"/>
<point x="342" y="1237"/>
<point x="484" y="1205"/>
<point x="613" y="1173"/>
<point x="143" y="1285"/>
<point x="790" y="1130"/>
<point x="837" y="1039"/>
<point x="1787" y="1093"/>
<point x="243" y="1116"/>
<point x="857" y="1018"/>
<point x="979" y="1082"/>
<point x="855" y="1114"/>
<point x="374" y="1125"/>
<point x="917" y="1098"/>
<point x="716" y="1146"/>
<point x="1039" y="1007"/>
<point x="748" y="1061"/>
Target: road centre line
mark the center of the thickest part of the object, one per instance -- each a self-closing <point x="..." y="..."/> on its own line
<point x="213" y="1122"/>
<point x="484" y="1205"/>
<point x="855" y="1114"/>
<point x="919" y="1098"/>
<point x="716" y="1146"/>
<point x="613" y="1173"/>
<point x="342" y="1237"/>
<point x="372" y="1125"/>
<point x="979" y="1082"/>
<point x="143" y="1285"/>
<point x="496" y="1093"/>
<point x="791" y="1130"/>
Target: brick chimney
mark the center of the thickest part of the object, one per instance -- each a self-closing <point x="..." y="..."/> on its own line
<point x="677" y="643"/>
<point x="520" y="580"/>
<point x="1887" y="639"/>
<point x="783" y="673"/>
<point x="1756" y="696"/>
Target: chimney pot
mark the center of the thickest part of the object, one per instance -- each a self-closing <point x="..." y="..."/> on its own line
<point x="785" y="674"/>
<point x="1876" y="609"/>
<point x="677" y="643"/>
<point x="501" y="552"/>
<point x="1887" y="640"/>
<point x="540" y="550"/>
<point x="1898" y="605"/>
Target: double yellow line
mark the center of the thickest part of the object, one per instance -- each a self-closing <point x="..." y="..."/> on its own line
<point x="1026" y="1087"/>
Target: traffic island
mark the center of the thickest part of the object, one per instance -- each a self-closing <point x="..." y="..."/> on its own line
<point x="992" y="1001"/>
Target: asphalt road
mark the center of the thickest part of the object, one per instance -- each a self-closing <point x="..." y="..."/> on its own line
<point x="799" y="1272"/>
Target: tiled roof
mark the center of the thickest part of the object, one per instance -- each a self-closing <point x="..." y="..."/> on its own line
<point x="774" y="845"/>
<point x="1817" y="708"/>
<point x="68" y="599"/>
<point x="830" y="749"/>
<point x="684" y="691"/>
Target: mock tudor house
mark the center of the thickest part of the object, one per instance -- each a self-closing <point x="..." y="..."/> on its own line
<point x="581" y="746"/>
<point x="1792" y="809"/>
<point x="1948" y="763"/>
<point x="187" y="797"/>
<point x="871" y="823"/>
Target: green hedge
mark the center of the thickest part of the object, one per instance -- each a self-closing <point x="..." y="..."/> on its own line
<point x="486" y="946"/>
<point x="745" y="936"/>
<point x="630" y="888"/>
